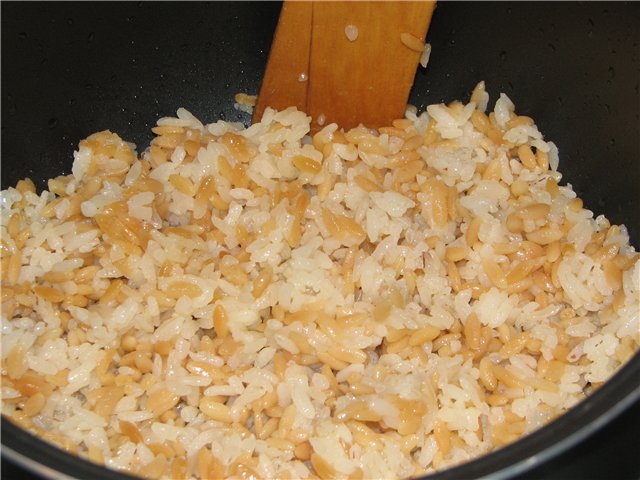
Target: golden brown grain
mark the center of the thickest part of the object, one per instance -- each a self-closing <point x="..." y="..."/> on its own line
<point x="487" y="375"/>
<point x="306" y="164"/>
<point x="181" y="288"/>
<point x="238" y="147"/>
<point x="545" y="235"/>
<point x="323" y="468"/>
<point x="13" y="269"/>
<point x="442" y="436"/>
<point x="48" y="293"/>
<point x="527" y="157"/>
<point x="612" y="274"/>
<point x="437" y="204"/>
<point x="534" y="211"/>
<point x="342" y="227"/>
<point x="455" y="254"/>
<point x="494" y="272"/>
<point x="493" y="170"/>
<point x="471" y="235"/>
<point x="34" y="404"/>
<point x="347" y="355"/>
<point x="160" y="401"/>
<point x="542" y="159"/>
<point x="215" y="410"/>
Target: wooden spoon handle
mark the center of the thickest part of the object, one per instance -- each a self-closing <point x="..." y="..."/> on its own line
<point x="345" y="62"/>
<point x="285" y="80"/>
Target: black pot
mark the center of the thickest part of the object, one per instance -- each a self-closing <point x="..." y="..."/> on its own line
<point x="70" y="69"/>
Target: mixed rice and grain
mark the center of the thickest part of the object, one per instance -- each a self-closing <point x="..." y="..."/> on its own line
<point x="264" y="303"/>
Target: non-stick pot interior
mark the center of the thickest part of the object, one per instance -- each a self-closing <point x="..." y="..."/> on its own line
<point x="70" y="69"/>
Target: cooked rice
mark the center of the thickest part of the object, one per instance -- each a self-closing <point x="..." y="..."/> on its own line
<point x="262" y="302"/>
<point x="245" y="103"/>
<point x="351" y="32"/>
<point x="412" y="42"/>
<point x="425" y="55"/>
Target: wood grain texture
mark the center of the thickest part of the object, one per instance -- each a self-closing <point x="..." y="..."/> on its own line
<point x="349" y="82"/>
<point x="288" y="59"/>
<point x="366" y="81"/>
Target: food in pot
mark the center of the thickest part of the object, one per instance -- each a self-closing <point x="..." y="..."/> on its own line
<point x="264" y="303"/>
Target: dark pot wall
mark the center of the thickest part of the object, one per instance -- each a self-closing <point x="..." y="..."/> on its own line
<point x="70" y="69"/>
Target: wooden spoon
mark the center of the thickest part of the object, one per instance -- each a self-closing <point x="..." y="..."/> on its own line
<point x="348" y="62"/>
